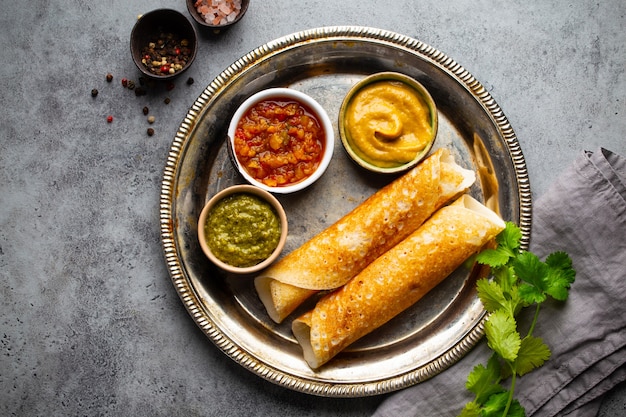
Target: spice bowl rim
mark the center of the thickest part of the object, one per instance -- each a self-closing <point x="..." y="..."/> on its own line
<point x="141" y="30"/>
<point x="197" y="17"/>
<point x="312" y="105"/>
<point x="244" y="189"/>
<point x="394" y="76"/>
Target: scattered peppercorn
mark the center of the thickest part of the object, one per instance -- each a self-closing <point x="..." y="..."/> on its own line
<point x="190" y="81"/>
<point x="140" y="91"/>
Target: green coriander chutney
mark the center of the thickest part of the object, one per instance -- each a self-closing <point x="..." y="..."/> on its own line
<point x="242" y="230"/>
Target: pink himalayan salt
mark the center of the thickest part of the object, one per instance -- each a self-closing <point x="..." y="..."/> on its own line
<point x="218" y="12"/>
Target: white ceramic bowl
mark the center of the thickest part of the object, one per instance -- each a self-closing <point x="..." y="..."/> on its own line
<point x="309" y="103"/>
<point x="245" y="189"/>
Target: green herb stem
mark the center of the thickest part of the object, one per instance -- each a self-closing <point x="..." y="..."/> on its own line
<point x="511" y="391"/>
<point x="534" y="322"/>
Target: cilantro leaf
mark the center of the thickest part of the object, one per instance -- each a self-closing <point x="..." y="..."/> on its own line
<point x="494" y="257"/>
<point x="531" y="294"/>
<point x="495" y="405"/>
<point x="471" y="410"/>
<point x="485" y="381"/>
<point x="506" y="278"/>
<point x="560" y="275"/>
<point x="508" y="242"/>
<point x="552" y="277"/>
<point x="510" y="237"/>
<point x="502" y="335"/>
<point x="532" y="354"/>
<point x="530" y="269"/>
<point x="558" y="284"/>
<point x="491" y="295"/>
<point x="516" y="410"/>
<point x="561" y="260"/>
<point x="494" y="297"/>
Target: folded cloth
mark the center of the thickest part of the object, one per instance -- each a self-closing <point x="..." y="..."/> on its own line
<point x="584" y="214"/>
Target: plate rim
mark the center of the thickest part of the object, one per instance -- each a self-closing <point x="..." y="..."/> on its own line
<point x="178" y="274"/>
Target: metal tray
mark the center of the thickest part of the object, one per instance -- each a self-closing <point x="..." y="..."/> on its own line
<point x="325" y="62"/>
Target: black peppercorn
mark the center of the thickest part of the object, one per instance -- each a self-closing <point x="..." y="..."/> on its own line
<point x="190" y="81"/>
<point x="167" y="100"/>
<point x="150" y="131"/>
<point x="94" y="92"/>
<point x="109" y="77"/>
<point x="146" y="110"/>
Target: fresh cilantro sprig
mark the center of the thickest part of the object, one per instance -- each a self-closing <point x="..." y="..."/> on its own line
<point x="519" y="279"/>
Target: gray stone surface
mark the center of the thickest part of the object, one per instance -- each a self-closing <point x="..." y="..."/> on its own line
<point x="90" y="323"/>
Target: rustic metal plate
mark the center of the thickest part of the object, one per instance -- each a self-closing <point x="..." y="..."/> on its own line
<point x="324" y="63"/>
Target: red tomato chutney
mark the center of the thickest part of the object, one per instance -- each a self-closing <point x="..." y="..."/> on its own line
<point x="279" y="142"/>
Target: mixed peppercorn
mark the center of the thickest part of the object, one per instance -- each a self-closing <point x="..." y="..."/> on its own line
<point x="166" y="55"/>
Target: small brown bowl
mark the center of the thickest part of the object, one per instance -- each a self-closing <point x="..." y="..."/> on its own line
<point x="237" y="220"/>
<point x="151" y="27"/>
<point x="227" y="22"/>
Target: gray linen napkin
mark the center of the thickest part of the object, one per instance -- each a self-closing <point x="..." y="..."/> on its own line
<point x="584" y="214"/>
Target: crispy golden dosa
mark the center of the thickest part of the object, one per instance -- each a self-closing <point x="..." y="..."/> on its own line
<point x="396" y="280"/>
<point x="331" y="258"/>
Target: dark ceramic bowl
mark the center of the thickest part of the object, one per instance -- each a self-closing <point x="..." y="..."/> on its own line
<point x="198" y="17"/>
<point x="157" y="25"/>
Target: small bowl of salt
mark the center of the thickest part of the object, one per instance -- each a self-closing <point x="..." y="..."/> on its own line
<point x="217" y="14"/>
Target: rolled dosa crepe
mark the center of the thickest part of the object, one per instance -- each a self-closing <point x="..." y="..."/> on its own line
<point x="331" y="258"/>
<point x="396" y="280"/>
